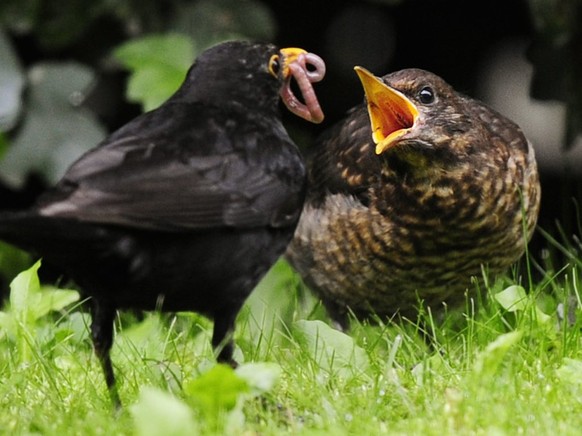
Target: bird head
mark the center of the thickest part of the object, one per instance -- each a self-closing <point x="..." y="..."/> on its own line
<point x="255" y="76"/>
<point x="415" y="108"/>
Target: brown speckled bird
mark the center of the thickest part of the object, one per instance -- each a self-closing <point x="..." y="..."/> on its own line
<point x="411" y="196"/>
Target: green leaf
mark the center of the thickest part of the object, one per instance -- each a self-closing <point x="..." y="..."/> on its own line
<point x="490" y="359"/>
<point x="19" y="322"/>
<point x="56" y="131"/>
<point x="515" y="299"/>
<point x="260" y="377"/>
<point x="75" y="327"/>
<point x="29" y="301"/>
<point x="159" y="413"/>
<point x="158" y="64"/>
<point x="570" y="372"/>
<point x="334" y="351"/>
<point x="52" y="299"/>
<point x="145" y="337"/>
<point x="217" y="390"/>
<point x="272" y="306"/>
<point x="22" y="289"/>
<point x="512" y="299"/>
<point x="7" y="325"/>
<point x="11" y="85"/>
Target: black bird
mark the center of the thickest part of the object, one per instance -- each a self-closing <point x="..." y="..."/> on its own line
<point x="186" y="207"/>
<point x="410" y="195"/>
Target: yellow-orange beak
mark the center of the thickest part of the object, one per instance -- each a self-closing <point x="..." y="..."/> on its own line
<point x="290" y="55"/>
<point x="391" y="113"/>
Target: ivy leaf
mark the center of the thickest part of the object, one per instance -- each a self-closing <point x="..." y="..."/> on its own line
<point x="52" y="299"/>
<point x="570" y="372"/>
<point x="22" y="288"/>
<point x="145" y="337"/>
<point x="158" y="64"/>
<point x="272" y="306"/>
<point x="512" y="298"/>
<point x="260" y="377"/>
<point x="29" y="301"/>
<point x="334" y="351"/>
<point x="157" y="412"/>
<point x="11" y="85"/>
<point x="56" y="131"/>
<point x="489" y="360"/>
<point x="515" y="299"/>
<point x="217" y="390"/>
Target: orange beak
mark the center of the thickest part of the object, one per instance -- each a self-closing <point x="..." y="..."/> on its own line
<point x="391" y="113"/>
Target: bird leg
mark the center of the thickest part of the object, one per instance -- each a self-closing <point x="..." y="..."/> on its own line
<point x="103" y="316"/>
<point x="222" y="338"/>
<point x="338" y="314"/>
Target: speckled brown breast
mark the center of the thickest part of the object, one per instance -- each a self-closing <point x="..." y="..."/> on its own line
<point x="384" y="261"/>
<point x="378" y="234"/>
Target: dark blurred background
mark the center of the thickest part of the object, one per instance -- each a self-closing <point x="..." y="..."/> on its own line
<point x="65" y="68"/>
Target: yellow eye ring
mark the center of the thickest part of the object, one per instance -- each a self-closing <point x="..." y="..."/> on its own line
<point x="274" y="65"/>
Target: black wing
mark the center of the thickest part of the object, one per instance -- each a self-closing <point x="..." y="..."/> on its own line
<point x="183" y="168"/>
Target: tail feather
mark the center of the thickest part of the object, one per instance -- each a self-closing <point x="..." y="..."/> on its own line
<point x="41" y="234"/>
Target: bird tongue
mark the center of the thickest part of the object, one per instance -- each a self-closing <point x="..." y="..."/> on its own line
<point x="391" y="113"/>
<point x="307" y="69"/>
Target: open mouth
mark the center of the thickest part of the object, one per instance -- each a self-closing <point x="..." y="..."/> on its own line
<point x="306" y="68"/>
<point x="391" y="113"/>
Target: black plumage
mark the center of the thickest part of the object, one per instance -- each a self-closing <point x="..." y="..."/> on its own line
<point x="186" y="207"/>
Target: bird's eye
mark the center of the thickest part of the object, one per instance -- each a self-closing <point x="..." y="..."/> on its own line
<point x="274" y="65"/>
<point x="426" y="95"/>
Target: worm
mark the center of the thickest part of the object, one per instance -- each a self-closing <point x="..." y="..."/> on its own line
<point x="304" y="77"/>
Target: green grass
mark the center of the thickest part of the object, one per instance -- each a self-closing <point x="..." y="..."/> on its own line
<point x="504" y="365"/>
